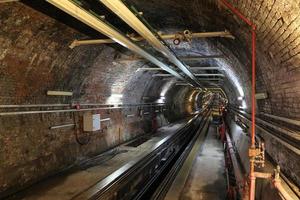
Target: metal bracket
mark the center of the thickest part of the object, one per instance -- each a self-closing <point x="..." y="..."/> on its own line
<point x="257" y="155"/>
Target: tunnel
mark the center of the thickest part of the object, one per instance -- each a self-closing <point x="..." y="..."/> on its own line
<point x="149" y="99"/>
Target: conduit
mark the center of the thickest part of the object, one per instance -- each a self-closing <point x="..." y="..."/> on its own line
<point x="224" y="34"/>
<point x="80" y="104"/>
<point x="183" y="58"/>
<point x="65" y="110"/>
<point x="200" y="75"/>
<point x="236" y="166"/>
<point x="253" y="32"/>
<point x="106" y="29"/>
<point x="192" y="68"/>
<point x="120" y="9"/>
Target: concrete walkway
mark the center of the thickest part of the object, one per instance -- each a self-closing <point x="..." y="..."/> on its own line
<point x="206" y="180"/>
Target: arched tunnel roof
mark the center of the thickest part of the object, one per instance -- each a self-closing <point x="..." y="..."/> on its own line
<point x="277" y="50"/>
<point x="36" y="57"/>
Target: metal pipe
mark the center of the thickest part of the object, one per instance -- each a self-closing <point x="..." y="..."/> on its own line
<point x="204" y="75"/>
<point x="253" y="32"/>
<point x="8" y="1"/>
<point x="205" y="68"/>
<point x="34" y="105"/>
<point x="59" y="93"/>
<point x="192" y="68"/>
<point x="61" y="126"/>
<point x="197" y="75"/>
<point x="54" y="111"/>
<point x="62" y="111"/>
<point x="291" y="134"/>
<point x="80" y="104"/>
<point x="183" y="58"/>
<point x="120" y="9"/>
<point x="182" y="84"/>
<point x="284" y="143"/>
<point x="224" y="34"/>
<point x="235" y="163"/>
<point x="282" y="190"/>
<point x="106" y="29"/>
<point x="105" y="120"/>
<point x="284" y="119"/>
<point x="195" y="58"/>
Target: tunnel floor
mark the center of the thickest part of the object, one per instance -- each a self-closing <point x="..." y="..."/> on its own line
<point x="207" y="177"/>
<point x="80" y="178"/>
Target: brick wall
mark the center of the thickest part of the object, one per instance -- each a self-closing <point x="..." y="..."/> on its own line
<point x="278" y="53"/>
<point x="34" y="58"/>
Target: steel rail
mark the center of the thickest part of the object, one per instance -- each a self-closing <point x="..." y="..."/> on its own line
<point x="120" y="9"/>
<point x="103" y="27"/>
<point x="113" y="184"/>
<point x="172" y="187"/>
<point x="167" y="174"/>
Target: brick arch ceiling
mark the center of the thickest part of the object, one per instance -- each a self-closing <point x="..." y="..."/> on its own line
<point x="278" y="40"/>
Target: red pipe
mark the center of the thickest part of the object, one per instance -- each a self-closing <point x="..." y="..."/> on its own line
<point x="253" y="84"/>
<point x="237" y="12"/>
<point x="253" y="32"/>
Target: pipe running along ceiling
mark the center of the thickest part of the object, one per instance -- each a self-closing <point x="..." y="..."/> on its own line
<point x="120" y="9"/>
<point x="103" y="27"/>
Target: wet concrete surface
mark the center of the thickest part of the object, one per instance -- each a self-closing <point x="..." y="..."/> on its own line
<point x="206" y="180"/>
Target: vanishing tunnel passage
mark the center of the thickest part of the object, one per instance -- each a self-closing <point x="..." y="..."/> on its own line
<point x="148" y="99"/>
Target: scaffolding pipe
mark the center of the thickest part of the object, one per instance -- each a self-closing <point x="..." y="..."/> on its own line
<point x="253" y="32"/>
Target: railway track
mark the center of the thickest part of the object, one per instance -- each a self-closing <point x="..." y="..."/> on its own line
<point x="150" y="177"/>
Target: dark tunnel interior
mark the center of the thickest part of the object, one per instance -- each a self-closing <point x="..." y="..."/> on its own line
<point x="115" y="99"/>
